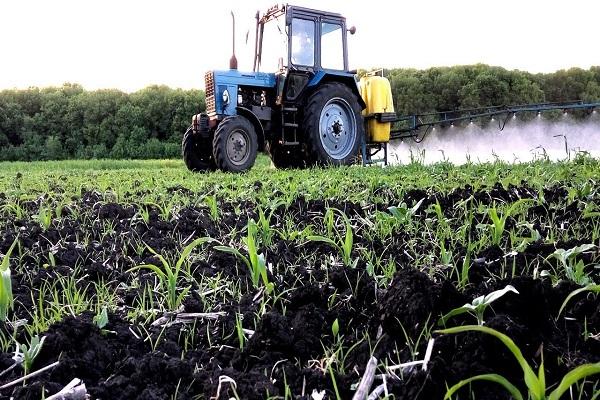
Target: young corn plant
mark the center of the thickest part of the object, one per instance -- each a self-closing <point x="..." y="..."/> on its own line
<point x="213" y="207"/>
<point x="536" y="383"/>
<point x="255" y="261"/>
<point x="264" y="224"/>
<point x="6" y="294"/>
<point x="15" y="209"/>
<point x="402" y="213"/>
<point x="239" y="330"/>
<point x="574" y="270"/>
<point x="463" y="279"/>
<point x="343" y="244"/>
<point x="478" y="306"/>
<point x="27" y="353"/>
<point x="44" y="217"/>
<point x="169" y="275"/>
<point x="498" y="224"/>
<point x="144" y="213"/>
<point x="101" y="319"/>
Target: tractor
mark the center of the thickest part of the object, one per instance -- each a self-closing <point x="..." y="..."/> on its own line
<point x="312" y="111"/>
<point x="309" y="112"/>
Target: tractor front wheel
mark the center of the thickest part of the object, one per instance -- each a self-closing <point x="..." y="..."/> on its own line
<point x="197" y="152"/>
<point x="333" y="125"/>
<point x="235" y="144"/>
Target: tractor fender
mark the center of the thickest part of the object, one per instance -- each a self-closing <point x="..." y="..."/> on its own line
<point x="346" y="78"/>
<point x="258" y="128"/>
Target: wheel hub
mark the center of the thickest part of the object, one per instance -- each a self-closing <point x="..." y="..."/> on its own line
<point x="237" y="147"/>
<point x="337" y="127"/>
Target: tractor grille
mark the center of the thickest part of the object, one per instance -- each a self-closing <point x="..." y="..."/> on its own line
<point x="209" y="89"/>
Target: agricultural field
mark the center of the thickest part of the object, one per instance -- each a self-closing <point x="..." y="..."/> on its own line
<point x="144" y="280"/>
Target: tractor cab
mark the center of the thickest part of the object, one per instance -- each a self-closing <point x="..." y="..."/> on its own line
<point x="300" y="103"/>
<point x="314" y="45"/>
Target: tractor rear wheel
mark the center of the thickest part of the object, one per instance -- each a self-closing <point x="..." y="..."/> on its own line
<point x="197" y="152"/>
<point x="333" y="125"/>
<point x="235" y="144"/>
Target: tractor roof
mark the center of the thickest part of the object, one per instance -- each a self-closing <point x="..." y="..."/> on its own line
<point x="280" y="9"/>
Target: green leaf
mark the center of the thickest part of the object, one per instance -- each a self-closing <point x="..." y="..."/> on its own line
<point x="162" y="276"/>
<point x="6" y="294"/>
<point x="496" y="294"/>
<point x="101" y="320"/>
<point x="335" y="327"/>
<point x="349" y="240"/>
<point x="531" y="380"/>
<point x="235" y="252"/>
<point x="455" y="312"/>
<point x="316" y="238"/>
<point x="590" y="288"/>
<point x="573" y="376"/>
<point x="486" y="377"/>
<point x="6" y="258"/>
<point x="188" y="249"/>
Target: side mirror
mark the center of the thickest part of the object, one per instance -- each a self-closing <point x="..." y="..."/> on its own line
<point x="352" y="30"/>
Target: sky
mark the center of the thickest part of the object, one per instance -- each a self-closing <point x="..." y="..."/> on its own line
<point x="130" y="44"/>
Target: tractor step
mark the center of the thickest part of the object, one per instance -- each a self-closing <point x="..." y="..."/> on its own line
<point x="290" y="125"/>
<point x="290" y="109"/>
<point x="290" y="143"/>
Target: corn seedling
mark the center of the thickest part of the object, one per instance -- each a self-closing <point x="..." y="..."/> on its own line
<point x="335" y="328"/>
<point x="15" y="209"/>
<point x="44" y="217"/>
<point x="402" y="214"/>
<point x="255" y="262"/>
<point x="466" y="266"/>
<point x="536" y="383"/>
<point x="27" y="353"/>
<point x="144" y="213"/>
<point x="342" y="244"/>
<point x="6" y="295"/>
<point x="446" y="258"/>
<point x="264" y="224"/>
<point x="498" y="224"/>
<point x="239" y="330"/>
<point x="478" y="306"/>
<point x="574" y="269"/>
<point x="213" y="207"/>
<point x="169" y="275"/>
<point x="413" y="345"/>
<point x="101" y="319"/>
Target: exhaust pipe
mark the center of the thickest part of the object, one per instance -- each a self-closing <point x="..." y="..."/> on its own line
<point x="233" y="60"/>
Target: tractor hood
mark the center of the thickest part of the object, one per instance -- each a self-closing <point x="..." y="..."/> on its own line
<point x="222" y="88"/>
<point x="235" y="77"/>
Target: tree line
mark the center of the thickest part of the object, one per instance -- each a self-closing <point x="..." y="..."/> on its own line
<point x="70" y="122"/>
<point x="472" y="86"/>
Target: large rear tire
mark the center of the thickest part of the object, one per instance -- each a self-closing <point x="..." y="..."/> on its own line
<point x="333" y="125"/>
<point x="235" y="144"/>
<point x="197" y="152"/>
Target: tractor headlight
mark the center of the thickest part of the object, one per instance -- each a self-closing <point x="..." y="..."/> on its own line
<point x="225" y="97"/>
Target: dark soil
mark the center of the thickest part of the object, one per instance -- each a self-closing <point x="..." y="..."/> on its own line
<point x="292" y="337"/>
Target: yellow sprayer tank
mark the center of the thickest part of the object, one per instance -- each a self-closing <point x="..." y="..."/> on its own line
<point x="377" y="94"/>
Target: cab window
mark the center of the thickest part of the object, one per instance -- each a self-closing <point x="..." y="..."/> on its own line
<point x="303" y="42"/>
<point x="332" y="46"/>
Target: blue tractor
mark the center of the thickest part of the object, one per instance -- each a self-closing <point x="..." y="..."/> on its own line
<point x="308" y="112"/>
